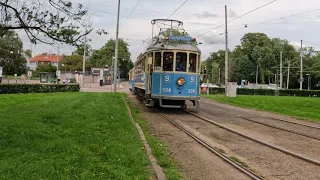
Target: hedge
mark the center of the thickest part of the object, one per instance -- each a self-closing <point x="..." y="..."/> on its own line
<point x="37" y="88"/>
<point x="269" y="92"/>
<point x="297" y="92"/>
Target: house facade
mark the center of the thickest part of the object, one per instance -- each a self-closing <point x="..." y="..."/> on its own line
<point x="44" y="59"/>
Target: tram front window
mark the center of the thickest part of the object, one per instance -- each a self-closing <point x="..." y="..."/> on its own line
<point x="181" y="62"/>
<point x="167" y="61"/>
<point x="193" y="63"/>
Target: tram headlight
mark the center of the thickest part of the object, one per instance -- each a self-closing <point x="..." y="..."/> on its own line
<point x="180" y="81"/>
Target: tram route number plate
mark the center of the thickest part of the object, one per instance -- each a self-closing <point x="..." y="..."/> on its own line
<point x="192" y="79"/>
<point x="167" y="79"/>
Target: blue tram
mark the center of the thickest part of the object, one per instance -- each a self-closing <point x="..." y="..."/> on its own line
<point x="168" y="72"/>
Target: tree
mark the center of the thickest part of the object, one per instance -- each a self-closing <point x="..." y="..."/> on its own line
<point x="11" y="58"/>
<point x="28" y="52"/>
<point x="214" y="62"/>
<point x="43" y="68"/>
<point x="80" y="50"/>
<point x="257" y="49"/>
<point x="103" y="56"/>
<point x="74" y="63"/>
<point x="45" y="20"/>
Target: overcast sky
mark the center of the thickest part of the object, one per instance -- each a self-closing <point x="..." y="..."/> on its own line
<point x="199" y="16"/>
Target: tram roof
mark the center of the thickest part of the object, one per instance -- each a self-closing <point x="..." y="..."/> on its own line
<point x="173" y="46"/>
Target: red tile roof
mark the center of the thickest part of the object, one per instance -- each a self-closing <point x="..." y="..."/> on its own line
<point x="46" y="58"/>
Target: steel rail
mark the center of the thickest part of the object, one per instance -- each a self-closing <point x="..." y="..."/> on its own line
<point x="215" y="151"/>
<point x="269" y="125"/>
<point x="278" y="119"/>
<point x="287" y="130"/>
<point x="307" y="159"/>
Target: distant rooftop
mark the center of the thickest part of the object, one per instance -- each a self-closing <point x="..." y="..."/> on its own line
<point x="46" y="58"/>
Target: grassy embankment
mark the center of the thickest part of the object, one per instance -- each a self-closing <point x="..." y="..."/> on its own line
<point x="301" y="107"/>
<point x="69" y="136"/>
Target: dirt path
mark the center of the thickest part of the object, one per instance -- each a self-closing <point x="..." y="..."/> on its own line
<point x="270" y="163"/>
<point x="297" y="143"/>
<point x="195" y="161"/>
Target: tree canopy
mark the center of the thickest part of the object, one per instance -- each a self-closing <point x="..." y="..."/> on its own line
<point x="11" y="58"/>
<point x="45" y="21"/>
<point x="257" y="50"/>
<point x="74" y="63"/>
<point x="80" y="49"/>
<point x="103" y="56"/>
<point x="28" y="52"/>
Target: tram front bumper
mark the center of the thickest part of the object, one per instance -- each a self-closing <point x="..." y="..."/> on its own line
<point x="176" y="97"/>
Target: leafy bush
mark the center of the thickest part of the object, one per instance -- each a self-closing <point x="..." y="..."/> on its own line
<point x="297" y="92"/>
<point x="73" y="80"/>
<point x="37" y="88"/>
<point x="216" y="90"/>
<point x="267" y="92"/>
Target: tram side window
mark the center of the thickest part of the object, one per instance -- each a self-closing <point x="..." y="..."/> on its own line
<point x="193" y="63"/>
<point x="157" y="60"/>
<point x="138" y="68"/>
<point x="167" y="61"/>
<point x="181" y="62"/>
<point x="143" y="63"/>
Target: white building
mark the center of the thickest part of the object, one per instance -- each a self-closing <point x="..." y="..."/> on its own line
<point x="44" y="59"/>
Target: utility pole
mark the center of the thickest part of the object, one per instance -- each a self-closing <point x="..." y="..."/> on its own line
<point x="277" y="75"/>
<point x="226" y="52"/>
<point x="288" y="78"/>
<point x="257" y="73"/>
<point x="84" y="60"/>
<point x="212" y="72"/>
<point x="281" y="75"/>
<point x="112" y="68"/>
<point x="58" y="74"/>
<point x="301" y="69"/>
<point x="116" y="53"/>
<point x="219" y="77"/>
<point x="308" y="81"/>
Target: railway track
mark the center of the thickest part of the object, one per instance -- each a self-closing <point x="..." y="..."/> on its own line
<point x="287" y="130"/>
<point x="214" y="150"/>
<point x="275" y="127"/>
<point x="307" y="159"/>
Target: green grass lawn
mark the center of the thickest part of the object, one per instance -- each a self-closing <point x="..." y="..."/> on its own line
<point x="69" y="136"/>
<point x="301" y="107"/>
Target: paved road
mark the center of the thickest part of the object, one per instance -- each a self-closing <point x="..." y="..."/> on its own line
<point x="95" y="87"/>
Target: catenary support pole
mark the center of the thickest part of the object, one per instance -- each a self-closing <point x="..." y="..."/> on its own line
<point x="116" y="51"/>
<point x="226" y="52"/>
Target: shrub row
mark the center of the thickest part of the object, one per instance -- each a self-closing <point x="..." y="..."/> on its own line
<point x="297" y="92"/>
<point x="269" y="92"/>
<point x="37" y="88"/>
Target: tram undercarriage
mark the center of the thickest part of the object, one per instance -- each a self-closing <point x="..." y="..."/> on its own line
<point x="165" y="102"/>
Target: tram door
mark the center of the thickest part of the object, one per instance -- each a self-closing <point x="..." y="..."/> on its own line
<point x="150" y="70"/>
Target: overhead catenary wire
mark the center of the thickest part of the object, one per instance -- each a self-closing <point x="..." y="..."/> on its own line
<point x="177" y="9"/>
<point x="130" y="13"/>
<point x="105" y="12"/>
<point x="238" y="17"/>
<point x="167" y="18"/>
<point x="146" y="10"/>
<point x="266" y="22"/>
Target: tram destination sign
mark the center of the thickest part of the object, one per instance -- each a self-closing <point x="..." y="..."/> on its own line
<point x="180" y="38"/>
